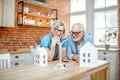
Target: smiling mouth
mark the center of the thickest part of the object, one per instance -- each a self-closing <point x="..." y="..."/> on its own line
<point x="57" y="34"/>
<point x="75" y="37"/>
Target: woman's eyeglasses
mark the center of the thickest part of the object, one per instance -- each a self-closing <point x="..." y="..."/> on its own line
<point x="58" y="30"/>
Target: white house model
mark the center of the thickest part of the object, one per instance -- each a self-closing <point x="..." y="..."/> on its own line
<point x="41" y="57"/>
<point x="88" y="55"/>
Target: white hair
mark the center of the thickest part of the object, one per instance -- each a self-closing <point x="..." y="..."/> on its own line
<point x="80" y="25"/>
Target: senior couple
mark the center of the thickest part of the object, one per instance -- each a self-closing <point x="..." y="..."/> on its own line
<point x="70" y="48"/>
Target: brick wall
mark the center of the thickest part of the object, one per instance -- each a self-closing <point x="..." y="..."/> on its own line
<point x="63" y="7"/>
<point x="20" y="37"/>
<point x="24" y="36"/>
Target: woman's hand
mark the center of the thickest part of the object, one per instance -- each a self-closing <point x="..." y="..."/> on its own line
<point x="52" y="48"/>
<point x="64" y="58"/>
<point x="56" y="40"/>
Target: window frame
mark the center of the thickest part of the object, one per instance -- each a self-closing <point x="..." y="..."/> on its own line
<point x="89" y="12"/>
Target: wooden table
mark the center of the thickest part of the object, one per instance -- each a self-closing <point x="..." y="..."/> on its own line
<point x="72" y="71"/>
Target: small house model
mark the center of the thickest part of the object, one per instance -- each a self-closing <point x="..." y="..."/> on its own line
<point x="88" y="55"/>
<point x="41" y="57"/>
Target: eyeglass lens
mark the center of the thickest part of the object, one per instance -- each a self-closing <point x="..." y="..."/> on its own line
<point x="76" y="33"/>
<point x="58" y="30"/>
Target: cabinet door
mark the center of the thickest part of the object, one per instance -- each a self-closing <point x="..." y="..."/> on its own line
<point x="113" y="65"/>
<point x="8" y="13"/>
<point x="16" y="63"/>
<point x="1" y="12"/>
<point x="21" y="59"/>
<point x="17" y="60"/>
<point x="109" y="54"/>
<point x="28" y="58"/>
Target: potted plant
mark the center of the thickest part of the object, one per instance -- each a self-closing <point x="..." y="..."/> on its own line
<point x="109" y="34"/>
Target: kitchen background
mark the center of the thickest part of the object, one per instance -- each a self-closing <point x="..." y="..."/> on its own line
<point x="24" y="36"/>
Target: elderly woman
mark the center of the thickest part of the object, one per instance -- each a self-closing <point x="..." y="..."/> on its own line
<point x="52" y="41"/>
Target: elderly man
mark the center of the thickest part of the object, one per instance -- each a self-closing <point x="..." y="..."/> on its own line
<point x="77" y="39"/>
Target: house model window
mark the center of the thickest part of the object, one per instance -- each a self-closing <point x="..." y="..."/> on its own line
<point x="86" y="55"/>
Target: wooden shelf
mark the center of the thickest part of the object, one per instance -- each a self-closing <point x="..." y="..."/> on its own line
<point x="33" y="25"/>
<point x="36" y="14"/>
<point x="38" y="4"/>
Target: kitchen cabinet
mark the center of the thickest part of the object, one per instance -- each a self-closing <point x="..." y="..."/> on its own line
<point x="28" y="59"/>
<point x="7" y="13"/>
<point x="0" y="12"/>
<point x="20" y="59"/>
<point x="112" y="57"/>
<point x="17" y="60"/>
<point x="35" y="14"/>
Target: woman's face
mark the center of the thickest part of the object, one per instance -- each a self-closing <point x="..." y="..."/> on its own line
<point x="58" y="32"/>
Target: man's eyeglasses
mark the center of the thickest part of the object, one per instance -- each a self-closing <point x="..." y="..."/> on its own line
<point x="75" y="33"/>
<point x="58" y="30"/>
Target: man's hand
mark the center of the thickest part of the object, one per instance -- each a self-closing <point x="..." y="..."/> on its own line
<point x="76" y="58"/>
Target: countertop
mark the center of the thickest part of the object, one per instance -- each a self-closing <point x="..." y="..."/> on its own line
<point x="23" y="50"/>
<point x="110" y="50"/>
<point x="14" y="51"/>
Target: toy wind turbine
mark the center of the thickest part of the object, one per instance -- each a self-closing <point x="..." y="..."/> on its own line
<point x="61" y="65"/>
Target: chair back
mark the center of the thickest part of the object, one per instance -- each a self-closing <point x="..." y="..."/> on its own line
<point x="4" y="61"/>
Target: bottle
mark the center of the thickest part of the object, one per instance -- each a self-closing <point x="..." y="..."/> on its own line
<point x="32" y="52"/>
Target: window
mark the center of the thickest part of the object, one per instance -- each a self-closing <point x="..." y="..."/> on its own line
<point x="104" y="3"/>
<point x="97" y="16"/>
<point x="78" y="12"/>
<point x="77" y="19"/>
<point x="105" y="17"/>
<point x="78" y="5"/>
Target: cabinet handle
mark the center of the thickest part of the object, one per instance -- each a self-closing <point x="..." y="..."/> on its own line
<point x="16" y="56"/>
<point x="105" y="53"/>
<point x="16" y="63"/>
<point x="104" y="59"/>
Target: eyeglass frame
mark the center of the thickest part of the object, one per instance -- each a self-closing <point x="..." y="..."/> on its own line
<point x="76" y="33"/>
<point x="58" y="30"/>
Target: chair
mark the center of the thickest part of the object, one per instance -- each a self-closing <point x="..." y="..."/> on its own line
<point x="4" y="61"/>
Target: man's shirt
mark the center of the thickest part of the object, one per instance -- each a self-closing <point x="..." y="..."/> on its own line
<point x="72" y="47"/>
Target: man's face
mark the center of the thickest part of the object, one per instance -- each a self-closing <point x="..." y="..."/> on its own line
<point x="77" y="33"/>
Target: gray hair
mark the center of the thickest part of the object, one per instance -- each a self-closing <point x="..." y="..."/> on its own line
<point x="57" y="24"/>
<point x="80" y="25"/>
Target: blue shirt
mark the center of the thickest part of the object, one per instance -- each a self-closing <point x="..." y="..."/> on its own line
<point x="46" y="42"/>
<point x="71" y="48"/>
